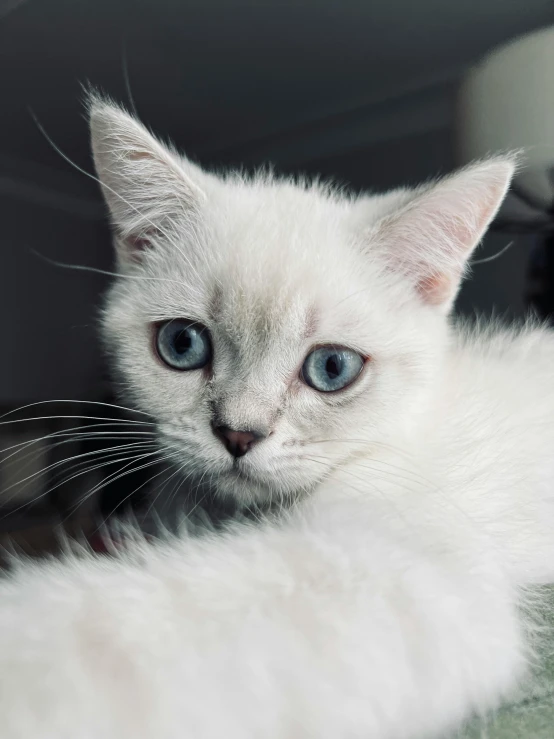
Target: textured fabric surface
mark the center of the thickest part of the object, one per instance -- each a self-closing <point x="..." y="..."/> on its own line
<point x="531" y="714"/>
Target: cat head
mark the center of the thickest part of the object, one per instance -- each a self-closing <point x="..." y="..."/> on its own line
<point x="272" y="328"/>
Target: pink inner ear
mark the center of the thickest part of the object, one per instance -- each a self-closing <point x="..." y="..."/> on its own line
<point x="464" y="230"/>
<point x="437" y="289"/>
<point x="438" y="230"/>
<point x="135" y="246"/>
<point x="137" y="155"/>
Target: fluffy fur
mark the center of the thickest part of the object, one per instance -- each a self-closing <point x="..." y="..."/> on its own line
<point x="388" y="600"/>
<point x="272" y="269"/>
<point x="339" y="621"/>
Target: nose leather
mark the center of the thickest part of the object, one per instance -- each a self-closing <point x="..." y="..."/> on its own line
<point x="236" y="442"/>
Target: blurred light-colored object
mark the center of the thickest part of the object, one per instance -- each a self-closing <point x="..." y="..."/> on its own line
<point x="507" y="102"/>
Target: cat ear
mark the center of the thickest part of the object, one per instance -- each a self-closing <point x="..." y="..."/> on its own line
<point x="431" y="237"/>
<point x="146" y="185"/>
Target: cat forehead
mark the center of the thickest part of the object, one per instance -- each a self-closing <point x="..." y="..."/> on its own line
<point x="269" y="259"/>
<point x="274" y="236"/>
<point x="263" y="286"/>
<point x="273" y="222"/>
<point x="263" y="317"/>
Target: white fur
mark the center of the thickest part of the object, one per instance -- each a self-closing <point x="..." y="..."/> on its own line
<point x="272" y="269"/>
<point x="340" y="622"/>
<point x="389" y="601"/>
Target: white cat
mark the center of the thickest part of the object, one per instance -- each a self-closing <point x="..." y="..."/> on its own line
<point x="292" y="344"/>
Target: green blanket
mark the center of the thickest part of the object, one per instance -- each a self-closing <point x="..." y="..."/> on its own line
<point x="531" y="714"/>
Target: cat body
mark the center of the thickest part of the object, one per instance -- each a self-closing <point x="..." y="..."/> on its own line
<point x="291" y="346"/>
<point x="341" y="619"/>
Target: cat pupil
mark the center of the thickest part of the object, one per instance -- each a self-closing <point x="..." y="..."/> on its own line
<point x="333" y="366"/>
<point x="182" y="342"/>
<point x="183" y="346"/>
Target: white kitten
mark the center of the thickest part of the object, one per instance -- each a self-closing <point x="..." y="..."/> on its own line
<point x="272" y="270"/>
<point x="287" y="340"/>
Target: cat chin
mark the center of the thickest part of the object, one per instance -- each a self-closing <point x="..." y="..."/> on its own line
<point x="247" y="491"/>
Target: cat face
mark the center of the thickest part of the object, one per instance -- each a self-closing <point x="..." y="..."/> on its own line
<point x="274" y="330"/>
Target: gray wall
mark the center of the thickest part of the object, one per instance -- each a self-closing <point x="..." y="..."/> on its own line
<point x="48" y="314"/>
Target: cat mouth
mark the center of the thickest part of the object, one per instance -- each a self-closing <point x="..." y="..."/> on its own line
<point x="238" y="472"/>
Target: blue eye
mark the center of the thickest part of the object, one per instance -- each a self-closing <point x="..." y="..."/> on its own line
<point x="331" y="368"/>
<point x="183" y="345"/>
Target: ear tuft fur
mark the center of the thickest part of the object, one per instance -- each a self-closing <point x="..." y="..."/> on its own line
<point x="431" y="238"/>
<point x="145" y="185"/>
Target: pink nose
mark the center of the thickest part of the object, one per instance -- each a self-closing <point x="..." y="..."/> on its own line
<point x="237" y="443"/>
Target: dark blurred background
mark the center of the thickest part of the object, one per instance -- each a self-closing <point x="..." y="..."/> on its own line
<point x="360" y="91"/>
